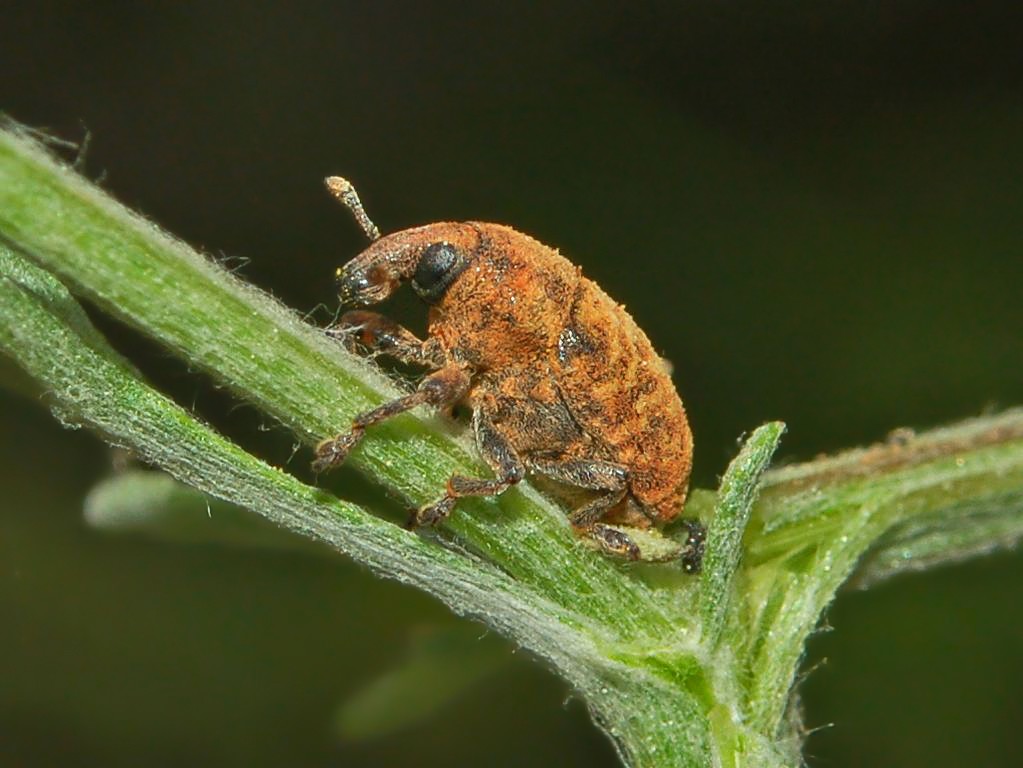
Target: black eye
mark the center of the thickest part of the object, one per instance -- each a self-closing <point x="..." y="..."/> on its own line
<point x="438" y="267"/>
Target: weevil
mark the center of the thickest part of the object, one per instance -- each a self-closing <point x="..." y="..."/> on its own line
<point x="560" y="380"/>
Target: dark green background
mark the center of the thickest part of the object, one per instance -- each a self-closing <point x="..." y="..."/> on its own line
<point x="813" y="209"/>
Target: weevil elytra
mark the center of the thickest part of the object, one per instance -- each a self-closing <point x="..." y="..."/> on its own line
<point x="560" y="380"/>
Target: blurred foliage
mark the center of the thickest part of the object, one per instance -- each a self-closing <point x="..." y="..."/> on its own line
<point x="155" y="505"/>
<point x="441" y="664"/>
<point x="857" y="161"/>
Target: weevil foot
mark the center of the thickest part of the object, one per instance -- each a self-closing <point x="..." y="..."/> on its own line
<point x="332" y="452"/>
<point x="696" y="538"/>
<point x="612" y="541"/>
<point x="432" y="514"/>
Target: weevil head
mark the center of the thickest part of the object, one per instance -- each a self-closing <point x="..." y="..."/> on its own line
<point x="432" y="257"/>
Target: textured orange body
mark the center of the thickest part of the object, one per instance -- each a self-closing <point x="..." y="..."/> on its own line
<point x="565" y="368"/>
<point x="561" y="381"/>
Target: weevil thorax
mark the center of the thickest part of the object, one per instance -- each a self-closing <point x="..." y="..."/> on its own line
<point x="430" y="256"/>
<point x="505" y="310"/>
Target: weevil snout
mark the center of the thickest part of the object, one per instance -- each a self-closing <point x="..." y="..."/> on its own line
<point x="378" y="271"/>
<point x="360" y="284"/>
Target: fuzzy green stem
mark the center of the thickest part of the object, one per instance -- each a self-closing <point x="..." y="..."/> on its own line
<point x="739" y="488"/>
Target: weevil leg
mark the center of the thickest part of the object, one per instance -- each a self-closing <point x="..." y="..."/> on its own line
<point x="594" y="475"/>
<point x="440" y="388"/>
<point x="614" y="541"/>
<point x="611" y="540"/>
<point x="591" y="474"/>
<point x="696" y="537"/>
<point x="499" y="455"/>
<point x="381" y="335"/>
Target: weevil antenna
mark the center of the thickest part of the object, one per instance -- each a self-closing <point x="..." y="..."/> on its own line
<point x="345" y="193"/>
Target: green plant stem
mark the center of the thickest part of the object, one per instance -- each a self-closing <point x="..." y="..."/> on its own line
<point x="738" y="491"/>
<point x="816" y="521"/>
<point x="632" y="640"/>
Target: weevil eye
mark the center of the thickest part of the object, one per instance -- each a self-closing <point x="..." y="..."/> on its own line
<point x="438" y="267"/>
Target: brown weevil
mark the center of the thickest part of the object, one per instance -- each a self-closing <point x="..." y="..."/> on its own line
<point x="560" y="380"/>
